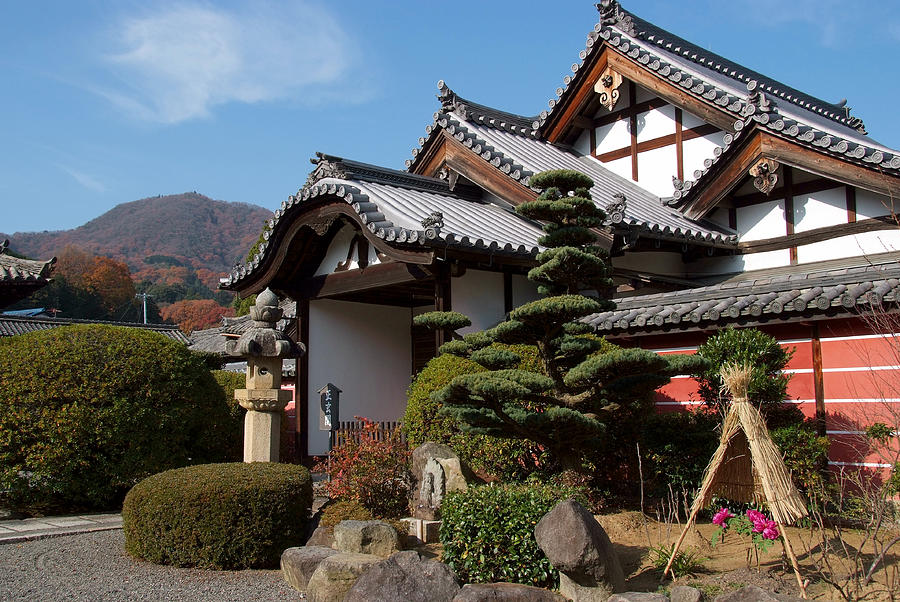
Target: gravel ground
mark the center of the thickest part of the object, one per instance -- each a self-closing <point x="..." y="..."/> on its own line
<point x="95" y="567"/>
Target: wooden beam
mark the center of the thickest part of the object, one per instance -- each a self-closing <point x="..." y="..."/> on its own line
<point x="728" y="178"/>
<point x="662" y="141"/>
<point x="507" y="292"/>
<point x="301" y="383"/>
<point x="672" y="93"/>
<point x="374" y="276"/>
<point x="818" y="234"/>
<point x="789" y="217"/>
<point x="641" y="107"/>
<point x="442" y="299"/>
<point x="476" y="169"/>
<point x="818" y="379"/>
<point x="431" y="158"/>
<point x="561" y="118"/>
<point x="851" y="203"/>
<point x="679" y="145"/>
<point x="791" y="153"/>
<point x="632" y="93"/>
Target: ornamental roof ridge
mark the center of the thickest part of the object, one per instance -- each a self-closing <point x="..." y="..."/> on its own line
<point x="520" y="125"/>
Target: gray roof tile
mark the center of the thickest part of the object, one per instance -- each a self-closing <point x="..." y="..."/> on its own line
<point x="15" y="325"/>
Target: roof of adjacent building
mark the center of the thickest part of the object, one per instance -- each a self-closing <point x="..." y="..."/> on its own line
<point x="15" y="325"/>
<point x="212" y="340"/>
<point x="404" y="209"/>
<point x="828" y="289"/>
<point x="14" y="270"/>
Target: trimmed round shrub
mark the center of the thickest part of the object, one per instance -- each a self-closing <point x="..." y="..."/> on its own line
<point x="336" y="511"/>
<point x="488" y="533"/>
<point x="87" y="411"/>
<point x="218" y="516"/>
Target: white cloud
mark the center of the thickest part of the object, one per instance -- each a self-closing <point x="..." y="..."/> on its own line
<point x="178" y="62"/>
<point x="88" y="181"/>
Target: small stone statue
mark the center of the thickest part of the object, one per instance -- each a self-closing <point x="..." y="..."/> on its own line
<point x="431" y="492"/>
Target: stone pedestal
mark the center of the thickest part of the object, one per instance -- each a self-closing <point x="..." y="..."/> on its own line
<point x="424" y="531"/>
<point x="262" y="424"/>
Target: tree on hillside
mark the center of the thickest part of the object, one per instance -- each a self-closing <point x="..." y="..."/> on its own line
<point x="196" y="314"/>
<point x="583" y="390"/>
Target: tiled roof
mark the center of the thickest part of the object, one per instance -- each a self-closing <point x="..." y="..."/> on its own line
<point x="13" y="325"/>
<point x="212" y="340"/>
<point x="18" y="271"/>
<point x="748" y="95"/>
<point x="786" y="296"/>
<point x="394" y="206"/>
<point x="519" y="155"/>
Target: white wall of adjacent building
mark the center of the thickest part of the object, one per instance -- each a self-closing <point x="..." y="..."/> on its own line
<point x="365" y="351"/>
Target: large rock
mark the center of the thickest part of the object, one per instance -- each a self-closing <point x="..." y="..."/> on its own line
<point x="457" y="475"/>
<point x="684" y="593"/>
<point x="366" y="537"/>
<point x="336" y="575"/>
<point x="299" y="564"/>
<point x="505" y="592"/>
<point x="322" y="536"/>
<point x="408" y="577"/>
<point x="638" y="597"/>
<point x="753" y="593"/>
<point x="580" y="549"/>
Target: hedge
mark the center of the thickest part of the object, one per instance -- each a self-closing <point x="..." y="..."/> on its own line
<point x="219" y="516"/>
<point x="87" y="411"/>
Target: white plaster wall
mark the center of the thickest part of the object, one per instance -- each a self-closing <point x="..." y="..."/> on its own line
<point x="583" y="144"/>
<point x="479" y="295"/>
<point x="523" y="290"/>
<point x="738" y="263"/>
<point x="337" y="252"/>
<point x="656" y="168"/>
<point x="697" y="150"/>
<point x="767" y="259"/>
<point x="613" y="136"/>
<point x="365" y="351"/>
<point x="820" y="209"/>
<point x="621" y="167"/>
<point x="656" y="123"/>
<point x="871" y="204"/>
<point x="765" y="220"/>
<point x="867" y="243"/>
<point x="642" y="93"/>
<point x="690" y="121"/>
<point x="719" y="216"/>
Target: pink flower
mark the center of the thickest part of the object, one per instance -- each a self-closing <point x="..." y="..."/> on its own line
<point x="758" y="519"/>
<point x="721" y="517"/>
<point x="771" y="530"/>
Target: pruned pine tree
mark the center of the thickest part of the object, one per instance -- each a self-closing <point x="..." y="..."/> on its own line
<point x="571" y="405"/>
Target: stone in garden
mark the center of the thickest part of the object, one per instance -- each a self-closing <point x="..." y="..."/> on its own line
<point x="366" y="537"/>
<point x="407" y="577"/>
<point x="299" y="564"/>
<point x="336" y="575"/>
<point x="580" y="549"/>
<point x="638" y="597"/>
<point x="753" y="593"/>
<point x="438" y="470"/>
<point x="684" y="593"/>
<point x="322" y="536"/>
<point x="505" y="592"/>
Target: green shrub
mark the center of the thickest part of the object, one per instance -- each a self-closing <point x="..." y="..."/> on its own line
<point x="676" y="448"/>
<point x="507" y="459"/>
<point x="220" y="516"/>
<point x="805" y="454"/>
<point x="761" y="351"/>
<point x="488" y="533"/>
<point x="87" y="411"/>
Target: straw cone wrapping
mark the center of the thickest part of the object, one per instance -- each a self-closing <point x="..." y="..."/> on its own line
<point x="747" y="466"/>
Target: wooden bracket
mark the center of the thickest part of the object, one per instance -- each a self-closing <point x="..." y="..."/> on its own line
<point x="764" y="176"/>
<point x="607" y="86"/>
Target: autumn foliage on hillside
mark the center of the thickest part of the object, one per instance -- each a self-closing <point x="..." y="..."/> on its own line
<point x="195" y="314"/>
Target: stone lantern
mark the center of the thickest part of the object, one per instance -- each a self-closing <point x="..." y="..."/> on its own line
<point x="264" y="347"/>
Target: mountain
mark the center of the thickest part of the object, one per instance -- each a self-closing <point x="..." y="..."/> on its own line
<point x="160" y="238"/>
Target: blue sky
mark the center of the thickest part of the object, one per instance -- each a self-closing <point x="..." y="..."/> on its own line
<point x="104" y="102"/>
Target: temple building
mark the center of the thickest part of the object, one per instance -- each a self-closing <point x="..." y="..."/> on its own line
<point x="731" y="199"/>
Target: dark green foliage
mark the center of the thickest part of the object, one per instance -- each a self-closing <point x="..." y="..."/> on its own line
<point x="254" y="248"/>
<point x="567" y="408"/>
<point x="676" y="448"/>
<point x="218" y="516"/>
<point x="337" y="510"/>
<point x="450" y="320"/>
<point x="88" y="411"/>
<point x="750" y="346"/>
<point x="242" y="306"/>
<point x="805" y="454"/>
<point x="488" y="533"/>
<point x="228" y="382"/>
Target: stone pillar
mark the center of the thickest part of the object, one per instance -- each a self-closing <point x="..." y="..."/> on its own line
<point x="264" y="347"/>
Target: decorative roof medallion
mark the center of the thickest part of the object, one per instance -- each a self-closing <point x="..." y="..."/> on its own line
<point x="615" y="211"/>
<point x="433" y="224"/>
<point x="607" y="87"/>
<point x="764" y="176"/>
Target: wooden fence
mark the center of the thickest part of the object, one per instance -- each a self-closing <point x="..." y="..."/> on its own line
<point x="352" y="430"/>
